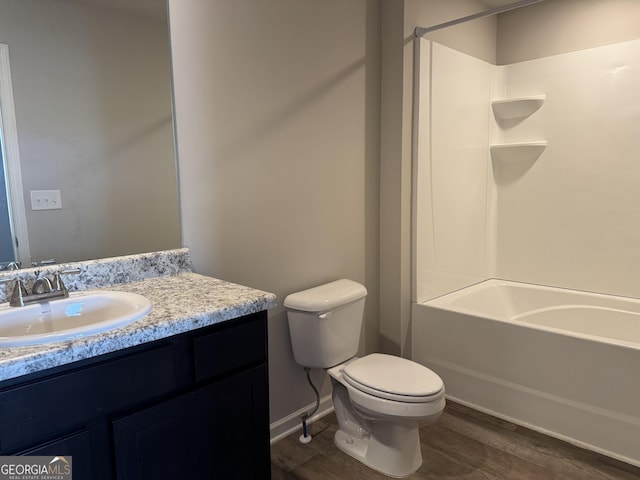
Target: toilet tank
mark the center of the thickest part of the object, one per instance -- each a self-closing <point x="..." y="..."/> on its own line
<point x="325" y="323"/>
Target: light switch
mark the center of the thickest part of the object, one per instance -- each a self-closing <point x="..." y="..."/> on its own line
<point x="45" y="200"/>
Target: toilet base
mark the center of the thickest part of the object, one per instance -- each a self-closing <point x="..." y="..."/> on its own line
<point x="390" y="448"/>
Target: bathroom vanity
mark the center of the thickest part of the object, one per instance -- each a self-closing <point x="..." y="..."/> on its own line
<point x="181" y="393"/>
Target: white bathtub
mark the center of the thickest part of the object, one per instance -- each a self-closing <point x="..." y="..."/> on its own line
<point x="563" y="362"/>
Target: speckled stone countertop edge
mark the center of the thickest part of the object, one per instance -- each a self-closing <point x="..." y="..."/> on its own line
<point x="181" y="303"/>
<point x="105" y="272"/>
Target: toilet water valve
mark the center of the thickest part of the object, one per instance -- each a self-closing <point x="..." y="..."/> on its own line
<point x="305" y="438"/>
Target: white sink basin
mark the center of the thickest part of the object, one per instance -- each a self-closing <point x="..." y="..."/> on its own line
<point x="82" y="314"/>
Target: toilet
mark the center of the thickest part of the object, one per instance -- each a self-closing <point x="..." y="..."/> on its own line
<point x="380" y="400"/>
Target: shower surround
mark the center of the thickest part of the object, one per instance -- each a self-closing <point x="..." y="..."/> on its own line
<point x="544" y="194"/>
<point x="566" y="218"/>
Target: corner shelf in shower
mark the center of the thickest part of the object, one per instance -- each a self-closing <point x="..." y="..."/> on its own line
<point x="515" y="152"/>
<point x="517" y="107"/>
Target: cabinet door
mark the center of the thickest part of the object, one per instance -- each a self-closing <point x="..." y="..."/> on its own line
<point x="77" y="446"/>
<point x="219" y="431"/>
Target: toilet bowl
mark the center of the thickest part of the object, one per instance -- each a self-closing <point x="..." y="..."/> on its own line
<point x="380" y="400"/>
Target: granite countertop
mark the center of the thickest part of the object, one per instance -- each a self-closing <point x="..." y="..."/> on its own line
<point x="181" y="302"/>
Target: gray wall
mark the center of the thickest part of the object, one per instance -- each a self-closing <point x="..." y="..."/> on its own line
<point x="294" y="142"/>
<point x="561" y="26"/>
<point x="277" y="110"/>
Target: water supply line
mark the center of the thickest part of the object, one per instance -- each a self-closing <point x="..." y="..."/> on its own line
<point x="305" y="437"/>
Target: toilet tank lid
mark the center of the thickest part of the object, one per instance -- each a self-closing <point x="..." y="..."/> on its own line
<point x="326" y="297"/>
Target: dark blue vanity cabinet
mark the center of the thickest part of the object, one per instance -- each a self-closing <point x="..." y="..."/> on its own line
<point x="194" y="405"/>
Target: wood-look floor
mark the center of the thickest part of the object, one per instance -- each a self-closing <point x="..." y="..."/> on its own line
<point x="463" y="444"/>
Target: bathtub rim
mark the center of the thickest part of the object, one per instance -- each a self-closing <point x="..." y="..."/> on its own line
<point x="437" y="303"/>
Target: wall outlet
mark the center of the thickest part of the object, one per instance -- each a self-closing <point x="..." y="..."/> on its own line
<point x="45" y="200"/>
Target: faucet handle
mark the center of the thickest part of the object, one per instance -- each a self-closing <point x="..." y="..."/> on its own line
<point x="70" y="271"/>
<point x="18" y="293"/>
<point x="58" y="284"/>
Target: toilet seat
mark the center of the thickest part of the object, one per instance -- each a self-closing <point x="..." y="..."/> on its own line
<point x="383" y="405"/>
<point x="393" y="378"/>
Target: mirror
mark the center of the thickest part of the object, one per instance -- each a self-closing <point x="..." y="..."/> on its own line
<point x="91" y="92"/>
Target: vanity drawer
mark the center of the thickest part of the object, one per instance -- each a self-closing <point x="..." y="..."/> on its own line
<point x="231" y="348"/>
<point x="39" y="409"/>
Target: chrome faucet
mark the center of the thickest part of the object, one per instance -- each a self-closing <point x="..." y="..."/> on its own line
<point x="43" y="289"/>
<point x="12" y="266"/>
<point x="41" y="285"/>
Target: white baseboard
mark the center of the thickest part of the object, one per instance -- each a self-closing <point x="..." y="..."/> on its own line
<point x="289" y="424"/>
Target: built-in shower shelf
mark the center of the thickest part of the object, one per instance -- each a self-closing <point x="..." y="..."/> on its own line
<point x="516" y="107"/>
<point x="526" y="151"/>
